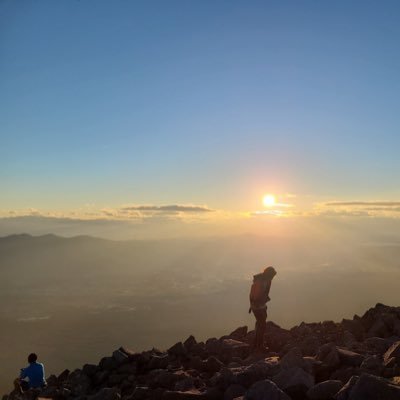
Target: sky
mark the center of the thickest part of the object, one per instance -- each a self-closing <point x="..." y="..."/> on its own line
<point x="189" y="112"/>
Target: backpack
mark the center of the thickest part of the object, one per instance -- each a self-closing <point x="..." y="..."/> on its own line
<point x="257" y="292"/>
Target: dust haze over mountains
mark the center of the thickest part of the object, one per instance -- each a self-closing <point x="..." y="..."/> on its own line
<point x="74" y="299"/>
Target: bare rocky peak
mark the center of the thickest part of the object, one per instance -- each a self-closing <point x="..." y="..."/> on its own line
<point x="357" y="359"/>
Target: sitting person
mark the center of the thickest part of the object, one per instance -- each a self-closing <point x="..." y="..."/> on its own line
<point x="34" y="373"/>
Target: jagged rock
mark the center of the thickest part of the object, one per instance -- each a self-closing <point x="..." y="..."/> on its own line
<point x="245" y="375"/>
<point x="100" y="377"/>
<point x="115" y="379"/>
<point x="234" y="391"/>
<point x="127" y="368"/>
<point x="292" y="359"/>
<point x="213" y="364"/>
<point x="265" y="390"/>
<point x="309" y="345"/>
<point x="177" y="350"/>
<point x="239" y="333"/>
<point x="349" y="339"/>
<point x="189" y="343"/>
<point x="199" y="349"/>
<point x="165" y="379"/>
<point x="108" y="363"/>
<point x="389" y="362"/>
<point x="142" y="393"/>
<point x="158" y="362"/>
<point x="301" y="330"/>
<point x="78" y="383"/>
<point x="185" y="384"/>
<point x="370" y="387"/>
<point x="378" y="329"/>
<point x="106" y="394"/>
<point x="343" y="374"/>
<point x="324" y="390"/>
<point x="234" y="348"/>
<point x="376" y="344"/>
<point x="329" y="355"/>
<point x="294" y="381"/>
<point x="196" y="363"/>
<point x="213" y="346"/>
<point x="250" y="374"/>
<point x="348" y="357"/>
<point x="393" y="352"/>
<point x="63" y="376"/>
<point x="119" y="356"/>
<point x="372" y="365"/>
<point x="89" y="370"/>
<point x="52" y="380"/>
<point x="344" y="392"/>
<point x="355" y="327"/>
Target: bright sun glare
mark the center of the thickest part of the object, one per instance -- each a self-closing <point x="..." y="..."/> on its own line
<point x="269" y="200"/>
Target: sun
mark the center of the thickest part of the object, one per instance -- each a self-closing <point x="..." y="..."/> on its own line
<point x="269" y="200"/>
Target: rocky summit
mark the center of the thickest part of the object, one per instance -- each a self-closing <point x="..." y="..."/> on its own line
<point x="355" y="359"/>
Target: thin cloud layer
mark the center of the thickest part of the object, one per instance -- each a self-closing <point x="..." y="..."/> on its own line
<point x="168" y="208"/>
<point x="388" y="209"/>
<point x="363" y="203"/>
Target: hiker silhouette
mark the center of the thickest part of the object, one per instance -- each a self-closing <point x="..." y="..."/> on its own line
<point x="32" y="376"/>
<point x="259" y="296"/>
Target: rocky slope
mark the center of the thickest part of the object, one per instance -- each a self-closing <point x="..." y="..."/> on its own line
<point x="356" y="359"/>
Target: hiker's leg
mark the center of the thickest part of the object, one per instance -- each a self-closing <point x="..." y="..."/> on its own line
<point x="262" y="326"/>
<point x="18" y="385"/>
<point x="255" y="312"/>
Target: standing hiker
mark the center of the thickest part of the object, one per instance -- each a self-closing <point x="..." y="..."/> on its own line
<point x="259" y="296"/>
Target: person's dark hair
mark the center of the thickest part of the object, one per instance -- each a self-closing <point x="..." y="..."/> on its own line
<point x="32" y="358"/>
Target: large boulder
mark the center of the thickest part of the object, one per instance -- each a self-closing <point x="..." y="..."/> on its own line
<point x="292" y="359"/>
<point x="350" y="358"/>
<point x="378" y="329"/>
<point x="370" y="387"/>
<point x="212" y="365"/>
<point x="165" y="379"/>
<point x="234" y="391"/>
<point x="213" y="346"/>
<point x="177" y="350"/>
<point x="329" y="355"/>
<point x="234" y="348"/>
<point x="376" y="345"/>
<point x="190" y="343"/>
<point x="158" y="362"/>
<point x="372" y="365"/>
<point x="324" y="390"/>
<point x="355" y="327"/>
<point x="78" y="382"/>
<point x="265" y="390"/>
<point x="119" y="356"/>
<point x="294" y="381"/>
<point x="239" y="333"/>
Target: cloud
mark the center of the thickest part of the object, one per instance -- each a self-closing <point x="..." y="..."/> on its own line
<point x="387" y="209"/>
<point x="266" y="213"/>
<point x="118" y="222"/>
<point x="168" y="208"/>
<point x="363" y="203"/>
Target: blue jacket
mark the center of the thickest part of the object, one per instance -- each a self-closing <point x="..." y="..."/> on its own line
<point x="35" y="373"/>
